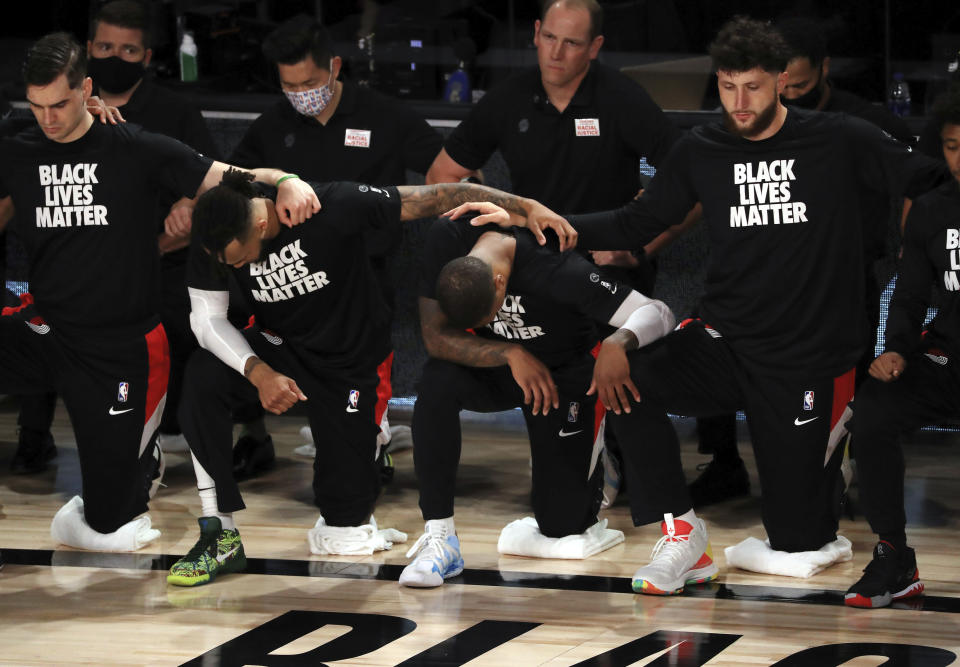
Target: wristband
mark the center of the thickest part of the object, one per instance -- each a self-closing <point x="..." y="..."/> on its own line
<point x="284" y="178"/>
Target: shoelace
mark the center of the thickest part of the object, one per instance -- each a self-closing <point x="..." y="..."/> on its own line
<point x="201" y="546"/>
<point x="670" y="546"/>
<point x="430" y="541"/>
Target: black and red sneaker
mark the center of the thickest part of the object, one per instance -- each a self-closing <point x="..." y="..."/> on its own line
<point x="891" y="575"/>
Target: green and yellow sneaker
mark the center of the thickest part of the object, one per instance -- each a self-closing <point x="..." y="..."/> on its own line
<point x="218" y="551"/>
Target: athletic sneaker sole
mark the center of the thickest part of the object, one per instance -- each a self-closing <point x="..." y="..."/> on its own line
<point x="878" y="601"/>
<point x="235" y="565"/>
<point x="700" y="576"/>
<point x="433" y="583"/>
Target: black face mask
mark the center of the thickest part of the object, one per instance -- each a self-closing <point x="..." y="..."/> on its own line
<point x="811" y="98"/>
<point x="113" y="74"/>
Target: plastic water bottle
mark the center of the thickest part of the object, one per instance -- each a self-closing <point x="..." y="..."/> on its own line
<point x="188" y="58"/>
<point x="898" y="101"/>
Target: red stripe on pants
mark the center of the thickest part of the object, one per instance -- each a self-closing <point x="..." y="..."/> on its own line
<point x="158" y="358"/>
<point x="842" y="394"/>
<point x="384" y="388"/>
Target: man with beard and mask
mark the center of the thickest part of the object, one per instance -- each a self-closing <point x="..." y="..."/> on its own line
<point x="325" y="129"/>
<point x="782" y="321"/>
<point x="808" y="87"/>
<point x="118" y="54"/>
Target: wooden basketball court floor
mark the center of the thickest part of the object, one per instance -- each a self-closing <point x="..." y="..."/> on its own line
<point x="61" y="606"/>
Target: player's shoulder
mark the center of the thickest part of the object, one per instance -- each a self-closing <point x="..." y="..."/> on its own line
<point x="941" y="203"/>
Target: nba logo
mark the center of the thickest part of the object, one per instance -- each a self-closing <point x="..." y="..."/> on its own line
<point x="123" y="391"/>
<point x="808" y="400"/>
<point x="354" y="398"/>
<point x="573" y="412"/>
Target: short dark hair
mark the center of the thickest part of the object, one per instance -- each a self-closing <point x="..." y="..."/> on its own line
<point x="805" y="38"/>
<point x="52" y="55"/>
<point x="222" y="213"/>
<point x="295" y="39"/>
<point x="744" y="44"/>
<point x="125" y="14"/>
<point x="592" y="6"/>
<point x="946" y="107"/>
<point x="465" y="291"/>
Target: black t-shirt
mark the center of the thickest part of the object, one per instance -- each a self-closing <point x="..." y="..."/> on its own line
<point x="784" y="279"/>
<point x="581" y="160"/>
<point x="314" y="286"/>
<point x="875" y="210"/>
<point x="931" y="263"/>
<point x="370" y="138"/>
<point x="553" y="300"/>
<point x="163" y="111"/>
<point x="84" y="217"/>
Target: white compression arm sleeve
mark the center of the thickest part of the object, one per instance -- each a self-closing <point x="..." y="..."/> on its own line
<point x="208" y="319"/>
<point x="648" y="319"/>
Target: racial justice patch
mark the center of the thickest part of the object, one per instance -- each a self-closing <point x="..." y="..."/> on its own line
<point x="284" y="275"/>
<point x="764" y="195"/>
<point x="68" y="191"/>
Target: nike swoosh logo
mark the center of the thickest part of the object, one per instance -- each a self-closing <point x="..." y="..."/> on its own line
<point x="567" y="434"/>
<point x="349" y="409"/>
<point x="223" y="557"/>
<point x="797" y="422"/>
<point x="119" y="412"/>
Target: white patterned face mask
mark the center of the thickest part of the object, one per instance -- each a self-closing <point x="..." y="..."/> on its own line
<point x="312" y="102"/>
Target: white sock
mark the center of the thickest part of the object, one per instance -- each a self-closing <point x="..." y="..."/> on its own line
<point x="208" y="496"/>
<point x="444" y="524"/>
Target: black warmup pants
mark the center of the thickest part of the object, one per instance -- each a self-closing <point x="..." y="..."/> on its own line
<point x="928" y="392"/>
<point x="564" y="444"/>
<point x="691" y="372"/>
<point x="175" y="315"/>
<point x="114" y="388"/>
<point x="341" y="406"/>
<point x="37" y="410"/>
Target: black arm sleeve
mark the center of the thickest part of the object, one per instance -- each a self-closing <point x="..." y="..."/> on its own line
<point x="908" y="306"/>
<point x="890" y="167"/>
<point x="665" y="202"/>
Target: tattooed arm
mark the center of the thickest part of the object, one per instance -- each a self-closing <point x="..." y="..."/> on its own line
<point x="507" y="210"/>
<point x="445" y="342"/>
<point x="423" y="201"/>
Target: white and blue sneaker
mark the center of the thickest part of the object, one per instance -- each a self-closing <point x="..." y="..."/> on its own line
<point x="437" y="557"/>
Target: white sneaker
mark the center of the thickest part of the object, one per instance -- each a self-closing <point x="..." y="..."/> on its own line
<point x="172" y="444"/>
<point x="682" y="556"/>
<point x="612" y="478"/>
<point x="400" y="439"/>
<point x="309" y="449"/>
<point x="157" y="468"/>
<point x="437" y="558"/>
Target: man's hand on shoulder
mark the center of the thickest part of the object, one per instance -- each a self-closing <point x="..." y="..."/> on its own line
<point x="103" y="111"/>
<point x="537" y="219"/>
<point x="296" y="201"/>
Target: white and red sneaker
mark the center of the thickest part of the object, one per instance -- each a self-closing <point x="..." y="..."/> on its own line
<point x="682" y="556"/>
